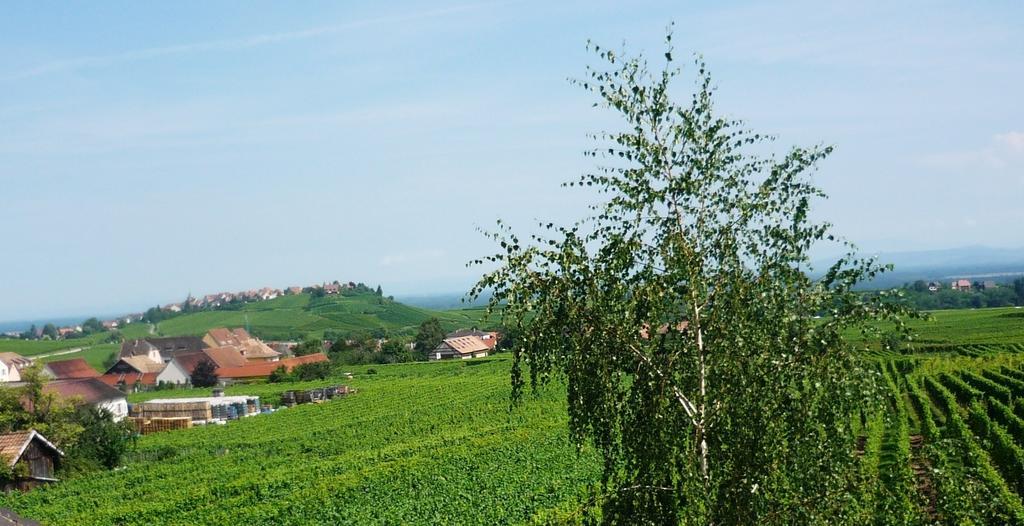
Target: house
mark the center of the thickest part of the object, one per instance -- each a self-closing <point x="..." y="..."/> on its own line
<point x="251" y="348"/>
<point x="463" y="347"/>
<point x="91" y="391"/>
<point x="174" y="372"/>
<point x="131" y="348"/>
<point x="173" y="307"/>
<point x="133" y="381"/>
<point x="72" y="369"/>
<point x="161" y="349"/>
<point x="332" y="288"/>
<point x="110" y="325"/>
<point x="962" y="285"/>
<point x="11" y="365"/>
<point x="489" y="337"/>
<point x="136" y="364"/>
<point x="294" y="290"/>
<point x="227" y="356"/>
<point x="987" y="285"/>
<point x="40" y="458"/>
<point x="934" y="286"/>
<point x="260" y="370"/>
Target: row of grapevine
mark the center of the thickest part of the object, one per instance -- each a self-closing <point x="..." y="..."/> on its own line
<point x="1007" y="505"/>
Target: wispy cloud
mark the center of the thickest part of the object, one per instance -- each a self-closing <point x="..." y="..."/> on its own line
<point x="1003" y="150"/>
<point x="229" y="44"/>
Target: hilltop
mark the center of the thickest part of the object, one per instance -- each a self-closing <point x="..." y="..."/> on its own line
<point x="302" y="315"/>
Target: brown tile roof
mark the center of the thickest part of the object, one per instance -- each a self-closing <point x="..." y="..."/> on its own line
<point x="228" y="356"/>
<point x="143" y="364"/>
<point x="256" y="349"/>
<point x="189" y="360"/>
<point x="12" y="445"/>
<point x="73" y="368"/>
<point x="466" y="344"/>
<point x="90" y="390"/>
<point x="241" y="334"/>
<point x="223" y="336"/>
<point x="14" y="359"/>
<point x="135" y="348"/>
<point x="112" y="379"/>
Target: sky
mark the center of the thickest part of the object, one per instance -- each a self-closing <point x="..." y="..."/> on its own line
<point x="149" y="150"/>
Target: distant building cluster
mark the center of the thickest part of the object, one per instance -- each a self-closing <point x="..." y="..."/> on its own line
<point x="964" y="285"/>
<point x="206" y="302"/>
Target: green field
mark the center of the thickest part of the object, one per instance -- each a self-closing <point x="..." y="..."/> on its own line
<point x="422" y="444"/>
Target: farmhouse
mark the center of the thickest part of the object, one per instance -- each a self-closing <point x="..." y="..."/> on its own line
<point x="251" y="348"/>
<point x="132" y="348"/>
<point x="489" y="337"/>
<point x="962" y="285"/>
<point x="69" y="369"/>
<point x="463" y="347"/>
<point x="93" y="392"/>
<point x="11" y="365"/>
<point x="161" y="349"/>
<point x="39" y="457"/>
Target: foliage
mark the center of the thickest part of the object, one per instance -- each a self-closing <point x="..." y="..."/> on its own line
<point x="205" y="374"/>
<point x="102" y="443"/>
<point x="428" y="337"/>
<point x="684" y="320"/>
<point x="309" y="346"/>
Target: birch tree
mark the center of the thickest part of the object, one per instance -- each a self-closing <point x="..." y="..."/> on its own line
<point x="701" y="359"/>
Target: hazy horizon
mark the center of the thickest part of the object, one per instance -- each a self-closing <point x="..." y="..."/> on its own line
<point x="150" y="151"/>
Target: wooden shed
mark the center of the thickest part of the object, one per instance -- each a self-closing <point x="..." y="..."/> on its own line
<point x="31" y="457"/>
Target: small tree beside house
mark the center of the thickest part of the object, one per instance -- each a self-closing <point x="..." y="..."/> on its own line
<point x="205" y="374"/>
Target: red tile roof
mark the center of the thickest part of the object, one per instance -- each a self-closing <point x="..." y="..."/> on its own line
<point x="74" y="368"/>
<point x="90" y="390"/>
<point x="466" y="344"/>
<point x="263" y="369"/>
<point x="301" y="360"/>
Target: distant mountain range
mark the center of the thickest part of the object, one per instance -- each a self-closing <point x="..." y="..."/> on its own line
<point x="978" y="262"/>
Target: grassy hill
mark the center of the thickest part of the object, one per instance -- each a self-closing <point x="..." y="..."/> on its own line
<point x="427" y="443"/>
<point x="299" y="316"/>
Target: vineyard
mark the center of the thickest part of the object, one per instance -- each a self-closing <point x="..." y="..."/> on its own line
<point x="948" y="446"/>
<point x="430" y="443"/>
<point x="418" y="444"/>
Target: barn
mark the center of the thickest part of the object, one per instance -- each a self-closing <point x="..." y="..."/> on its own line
<point x="31" y="457"/>
<point x="463" y="347"/>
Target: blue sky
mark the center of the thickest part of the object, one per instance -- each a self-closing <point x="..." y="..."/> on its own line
<point x="148" y="150"/>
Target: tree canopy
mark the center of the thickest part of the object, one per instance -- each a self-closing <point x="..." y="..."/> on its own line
<point x="682" y="317"/>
